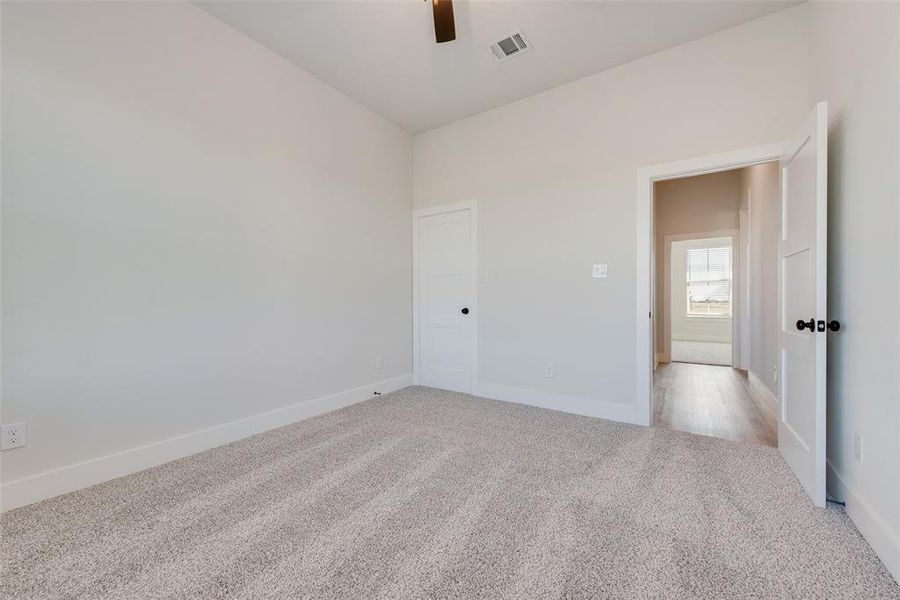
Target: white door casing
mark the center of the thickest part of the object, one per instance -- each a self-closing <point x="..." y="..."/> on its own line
<point x="803" y="272"/>
<point x="744" y="262"/>
<point x="444" y="323"/>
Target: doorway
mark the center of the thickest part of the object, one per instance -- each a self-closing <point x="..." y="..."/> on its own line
<point x="444" y="296"/>
<point x="710" y="268"/>
<point x="800" y="372"/>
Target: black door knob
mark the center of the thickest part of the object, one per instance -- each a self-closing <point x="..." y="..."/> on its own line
<point x="834" y="325"/>
<point x="465" y="311"/>
<point x="811" y="324"/>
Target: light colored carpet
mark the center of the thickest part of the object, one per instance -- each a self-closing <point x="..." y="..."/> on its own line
<point x="701" y="353"/>
<point x="424" y="493"/>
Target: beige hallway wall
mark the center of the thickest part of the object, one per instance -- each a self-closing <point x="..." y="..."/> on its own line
<point x="698" y="205"/>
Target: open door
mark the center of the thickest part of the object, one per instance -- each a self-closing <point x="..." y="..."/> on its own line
<point x="802" y="254"/>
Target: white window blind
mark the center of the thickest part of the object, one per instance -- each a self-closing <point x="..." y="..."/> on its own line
<point x="709" y="281"/>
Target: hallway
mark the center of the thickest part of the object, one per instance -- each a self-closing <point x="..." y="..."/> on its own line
<point x="712" y="400"/>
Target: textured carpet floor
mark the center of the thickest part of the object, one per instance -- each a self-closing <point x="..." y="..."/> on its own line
<point x="424" y="493"/>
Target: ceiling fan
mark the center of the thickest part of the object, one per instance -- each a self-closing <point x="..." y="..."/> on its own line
<point x="444" y="26"/>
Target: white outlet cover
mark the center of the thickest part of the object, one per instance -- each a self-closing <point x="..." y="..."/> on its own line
<point x="13" y="436"/>
<point x="600" y="271"/>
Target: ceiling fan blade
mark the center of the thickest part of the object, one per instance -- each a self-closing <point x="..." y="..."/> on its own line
<point x="444" y="26"/>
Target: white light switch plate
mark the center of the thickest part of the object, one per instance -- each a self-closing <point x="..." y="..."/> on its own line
<point x="600" y="271"/>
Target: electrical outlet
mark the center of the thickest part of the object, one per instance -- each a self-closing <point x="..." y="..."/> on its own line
<point x="12" y="436"/>
<point x="379" y="362"/>
<point x="599" y="271"/>
<point x="858" y="447"/>
<point x="548" y="369"/>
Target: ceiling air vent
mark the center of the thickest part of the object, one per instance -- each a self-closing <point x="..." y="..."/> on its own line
<point x="510" y="46"/>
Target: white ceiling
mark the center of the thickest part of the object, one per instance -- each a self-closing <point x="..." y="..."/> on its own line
<point x="382" y="52"/>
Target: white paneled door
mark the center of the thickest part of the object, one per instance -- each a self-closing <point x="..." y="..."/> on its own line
<point x="802" y="336"/>
<point x="445" y="295"/>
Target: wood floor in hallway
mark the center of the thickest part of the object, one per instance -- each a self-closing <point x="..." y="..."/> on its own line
<point x="712" y="400"/>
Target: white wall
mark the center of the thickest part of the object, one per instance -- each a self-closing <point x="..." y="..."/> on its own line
<point x="194" y="231"/>
<point x="555" y="178"/>
<point x="760" y="185"/>
<point x="855" y="55"/>
<point x="698" y="329"/>
<point x="692" y="205"/>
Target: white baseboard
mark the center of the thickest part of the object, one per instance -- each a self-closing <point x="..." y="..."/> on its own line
<point x="97" y="470"/>
<point x="873" y="527"/>
<point x="688" y="337"/>
<point x="570" y="404"/>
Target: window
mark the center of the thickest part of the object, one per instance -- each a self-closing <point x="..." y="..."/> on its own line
<point x="709" y="282"/>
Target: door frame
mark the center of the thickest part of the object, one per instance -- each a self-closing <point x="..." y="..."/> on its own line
<point x="644" y="322"/>
<point x="736" y="290"/>
<point x="442" y="209"/>
<point x="742" y="355"/>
